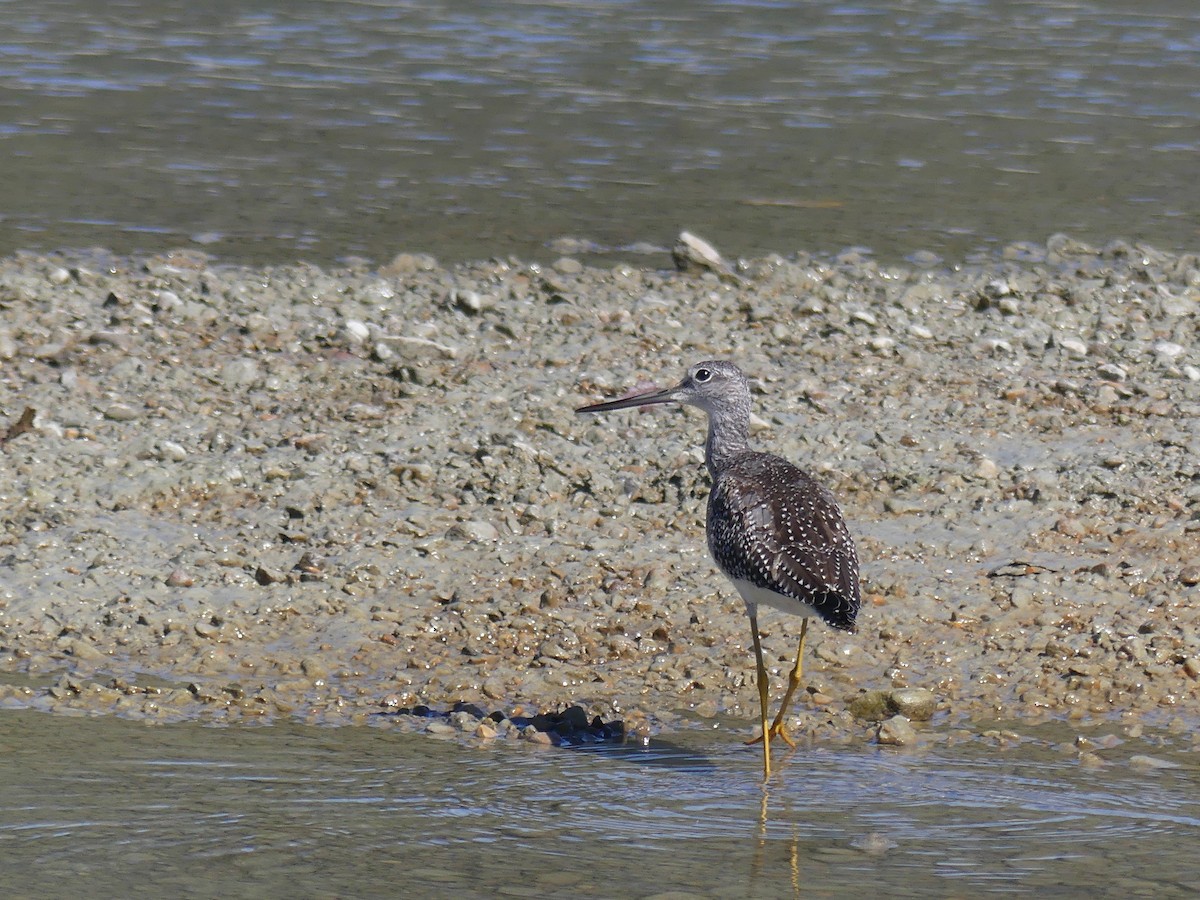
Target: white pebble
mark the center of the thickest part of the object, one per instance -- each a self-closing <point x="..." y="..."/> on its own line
<point x="920" y="331"/>
<point x="357" y="331"/>
<point x="861" y="315"/>
<point x="1074" y="346"/>
<point x="1168" y="349"/>
<point x="471" y="301"/>
<point x="987" y="468"/>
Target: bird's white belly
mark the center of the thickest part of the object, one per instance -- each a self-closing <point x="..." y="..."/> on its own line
<point x="756" y="596"/>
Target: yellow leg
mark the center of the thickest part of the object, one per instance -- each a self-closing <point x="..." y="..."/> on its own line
<point x="761" y="669"/>
<point x="778" y="729"/>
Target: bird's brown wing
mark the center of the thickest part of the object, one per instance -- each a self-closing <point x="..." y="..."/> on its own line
<point x="773" y="525"/>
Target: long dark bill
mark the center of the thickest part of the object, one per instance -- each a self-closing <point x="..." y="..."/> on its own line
<point x="665" y="396"/>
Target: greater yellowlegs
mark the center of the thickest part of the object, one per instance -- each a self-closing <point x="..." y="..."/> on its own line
<point x="774" y="531"/>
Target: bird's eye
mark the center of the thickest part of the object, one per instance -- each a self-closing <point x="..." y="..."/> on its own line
<point x="702" y="375"/>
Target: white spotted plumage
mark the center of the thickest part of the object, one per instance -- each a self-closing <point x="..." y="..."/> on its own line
<point x="774" y="528"/>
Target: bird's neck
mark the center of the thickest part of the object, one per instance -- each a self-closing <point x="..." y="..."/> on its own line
<point x="726" y="440"/>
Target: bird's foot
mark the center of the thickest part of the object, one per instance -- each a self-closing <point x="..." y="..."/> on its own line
<point x="777" y="730"/>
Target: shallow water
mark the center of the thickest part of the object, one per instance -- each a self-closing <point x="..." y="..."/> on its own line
<point x="264" y="130"/>
<point x="116" y="808"/>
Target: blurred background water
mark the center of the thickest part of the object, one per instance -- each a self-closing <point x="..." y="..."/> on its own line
<point x="270" y="131"/>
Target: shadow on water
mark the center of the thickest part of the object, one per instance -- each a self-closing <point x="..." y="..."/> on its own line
<point x="652" y="753"/>
<point x="115" y="808"/>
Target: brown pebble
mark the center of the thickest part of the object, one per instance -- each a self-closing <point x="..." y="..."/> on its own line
<point x="180" y="578"/>
<point x="265" y="576"/>
<point x="536" y="737"/>
<point x="896" y="731"/>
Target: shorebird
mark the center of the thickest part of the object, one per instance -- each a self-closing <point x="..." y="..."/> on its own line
<point x="775" y="531"/>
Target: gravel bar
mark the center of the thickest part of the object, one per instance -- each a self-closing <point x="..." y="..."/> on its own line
<point x="234" y="494"/>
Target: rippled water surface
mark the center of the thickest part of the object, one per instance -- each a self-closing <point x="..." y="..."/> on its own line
<point x="267" y="130"/>
<point x="113" y="808"/>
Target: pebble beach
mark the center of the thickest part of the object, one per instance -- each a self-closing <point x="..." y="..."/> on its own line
<point x="332" y="494"/>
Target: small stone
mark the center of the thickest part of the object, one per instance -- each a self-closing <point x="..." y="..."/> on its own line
<point x="469" y="301"/>
<point x="862" y="315"/>
<point x="881" y="343"/>
<point x="1112" y="372"/>
<point x="1189" y="575"/>
<point x="1169" y="349"/>
<point x="874" y="843"/>
<point x="313" y="668"/>
<point x="1090" y="760"/>
<point x="896" y="732"/>
<point x="83" y="650"/>
<point x="915" y="704"/>
<point x="1141" y="761"/>
<point x="485" y="732"/>
<point x="357" y="332"/>
<point x="534" y="736"/>
<point x="179" y="578"/>
<point x="997" y="287"/>
<point x="265" y="576"/>
<point x="474" y="530"/>
<point x="206" y="629"/>
<point x="567" y="266"/>
<point x="692" y="253"/>
<point x="1074" y="346"/>
<point x="986" y="468"/>
<point x="119" y="412"/>
<point x="58" y="275"/>
<point x="870" y="706"/>
<point x="1020" y="598"/>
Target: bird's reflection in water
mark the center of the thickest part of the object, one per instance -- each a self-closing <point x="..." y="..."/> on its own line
<point x="762" y="866"/>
